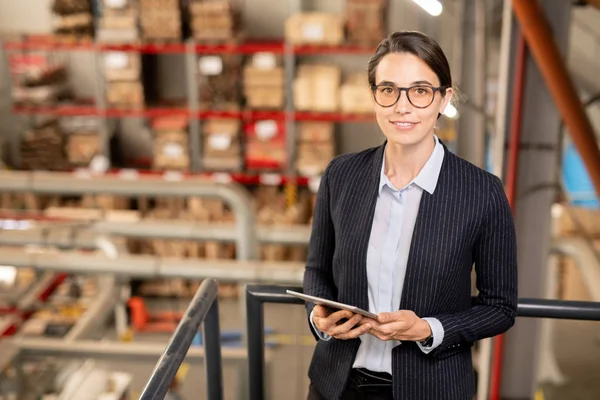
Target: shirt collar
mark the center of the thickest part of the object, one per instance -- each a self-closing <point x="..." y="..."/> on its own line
<point x="428" y="176"/>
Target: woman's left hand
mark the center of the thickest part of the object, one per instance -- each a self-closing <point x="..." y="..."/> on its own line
<point x="403" y="325"/>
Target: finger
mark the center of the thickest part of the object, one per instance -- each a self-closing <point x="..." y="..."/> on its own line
<point x="374" y="324"/>
<point x="377" y="334"/>
<point x="387" y="317"/>
<point x="326" y="322"/>
<point x="335" y="317"/>
<point x="393" y="328"/>
<point x="320" y="311"/>
<point x="346" y="326"/>
<point x="354" y="333"/>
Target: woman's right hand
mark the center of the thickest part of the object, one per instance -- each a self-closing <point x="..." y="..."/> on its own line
<point x="331" y="323"/>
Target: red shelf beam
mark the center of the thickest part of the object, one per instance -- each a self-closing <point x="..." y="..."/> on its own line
<point x="61" y="110"/>
<point x="146" y="48"/>
<point x="50" y="43"/>
<point x="156" y="112"/>
<point x="150" y="112"/>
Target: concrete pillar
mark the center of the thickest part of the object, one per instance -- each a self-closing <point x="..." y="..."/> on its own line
<point x="535" y="194"/>
<point x="472" y="124"/>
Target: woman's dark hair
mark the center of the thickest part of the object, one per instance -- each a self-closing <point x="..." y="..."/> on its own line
<point x="418" y="44"/>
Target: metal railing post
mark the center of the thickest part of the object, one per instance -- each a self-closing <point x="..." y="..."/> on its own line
<point x="168" y="364"/>
<point x="256" y="346"/>
<point x="212" y="351"/>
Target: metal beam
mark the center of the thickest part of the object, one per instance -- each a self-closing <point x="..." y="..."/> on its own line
<point x="141" y="266"/>
<point x="55" y="237"/>
<point x="66" y="235"/>
<point x="290" y="235"/>
<point x="113" y="350"/>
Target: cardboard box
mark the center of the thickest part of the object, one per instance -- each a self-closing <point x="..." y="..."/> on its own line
<point x="81" y="148"/>
<point x="214" y="20"/>
<point x="222" y="145"/>
<point x="256" y="76"/>
<point x="316" y="132"/>
<point x="316" y="88"/>
<point x="125" y="94"/>
<point x="159" y="5"/>
<point x="265" y="97"/>
<point x="171" y="151"/>
<point x="122" y="66"/>
<point x="355" y="95"/>
<point x="365" y="21"/>
<point x="265" y="145"/>
<point x="222" y="126"/>
<point x="315" y="28"/>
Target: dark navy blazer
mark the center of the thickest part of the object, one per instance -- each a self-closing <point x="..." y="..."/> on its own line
<point x="466" y="221"/>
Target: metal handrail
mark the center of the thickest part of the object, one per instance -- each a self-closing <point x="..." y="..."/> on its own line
<point x="257" y="295"/>
<point x="202" y="308"/>
<point x="237" y="197"/>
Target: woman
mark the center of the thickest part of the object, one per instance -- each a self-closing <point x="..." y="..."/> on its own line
<point x="396" y="231"/>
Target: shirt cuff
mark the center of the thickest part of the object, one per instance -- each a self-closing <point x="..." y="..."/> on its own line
<point x="437" y="330"/>
<point x="321" y="335"/>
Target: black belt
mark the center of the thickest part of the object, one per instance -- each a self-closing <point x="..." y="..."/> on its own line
<point x="364" y="378"/>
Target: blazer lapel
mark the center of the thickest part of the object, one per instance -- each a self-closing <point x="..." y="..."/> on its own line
<point x="364" y="222"/>
<point x="420" y="284"/>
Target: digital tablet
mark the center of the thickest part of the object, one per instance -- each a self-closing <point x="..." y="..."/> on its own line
<point x="332" y="304"/>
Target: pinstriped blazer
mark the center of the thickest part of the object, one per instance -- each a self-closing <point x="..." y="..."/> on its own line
<point x="466" y="221"/>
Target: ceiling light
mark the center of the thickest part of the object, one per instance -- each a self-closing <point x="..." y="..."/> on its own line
<point x="450" y="111"/>
<point x="433" y="7"/>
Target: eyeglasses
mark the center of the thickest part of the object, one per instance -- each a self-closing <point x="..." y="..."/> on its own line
<point x="419" y="96"/>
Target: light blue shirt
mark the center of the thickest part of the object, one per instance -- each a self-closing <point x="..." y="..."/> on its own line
<point x="387" y="256"/>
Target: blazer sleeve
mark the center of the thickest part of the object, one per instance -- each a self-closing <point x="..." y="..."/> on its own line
<point x="318" y="274"/>
<point x="495" y="257"/>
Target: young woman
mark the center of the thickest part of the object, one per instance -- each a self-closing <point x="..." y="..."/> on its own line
<point x="396" y="231"/>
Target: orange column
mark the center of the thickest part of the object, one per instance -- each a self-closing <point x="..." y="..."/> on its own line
<point x="545" y="52"/>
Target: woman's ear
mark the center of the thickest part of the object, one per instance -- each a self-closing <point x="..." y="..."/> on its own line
<point x="446" y="99"/>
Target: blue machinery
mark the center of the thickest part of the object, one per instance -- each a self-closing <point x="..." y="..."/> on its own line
<point x="203" y="310"/>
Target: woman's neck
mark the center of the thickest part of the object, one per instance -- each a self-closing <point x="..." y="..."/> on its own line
<point x="403" y="163"/>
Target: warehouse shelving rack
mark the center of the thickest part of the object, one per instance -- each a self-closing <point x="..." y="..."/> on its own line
<point x="191" y="51"/>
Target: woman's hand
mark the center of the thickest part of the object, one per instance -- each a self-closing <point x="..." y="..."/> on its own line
<point x="334" y="325"/>
<point x="400" y="325"/>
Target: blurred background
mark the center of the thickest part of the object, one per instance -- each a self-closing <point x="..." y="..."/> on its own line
<point x="147" y="145"/>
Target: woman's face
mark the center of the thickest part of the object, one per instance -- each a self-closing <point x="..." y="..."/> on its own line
<point x="403" y="123"/>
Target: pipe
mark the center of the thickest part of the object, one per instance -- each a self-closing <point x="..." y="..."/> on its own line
<point x="511" y="190"/>
<point x="66" y="183"/>
<point x="41" y="236"/>
<point x="111" y="350"/>
<point x="147" y="267"/>
<point x="538" y="35"/>
<point x="85" y="235"/>
<point x="503" y="81"/>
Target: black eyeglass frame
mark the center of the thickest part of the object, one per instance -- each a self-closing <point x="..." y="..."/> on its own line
<point x="406" y="89"/>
